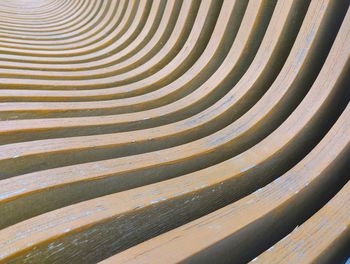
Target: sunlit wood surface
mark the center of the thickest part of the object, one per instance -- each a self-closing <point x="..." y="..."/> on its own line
<point x="167" y="131"/>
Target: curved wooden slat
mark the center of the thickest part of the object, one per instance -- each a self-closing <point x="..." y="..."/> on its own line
<point x="320" y="239"/>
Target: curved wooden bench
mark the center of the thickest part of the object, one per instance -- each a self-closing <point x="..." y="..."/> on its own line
<point x="232" y="62"/>
<point x="114" y="166"/>
<point x="91" y="213"/>
<point x="232" y="231"/>
<point x="180" y="127"/>
<point x="109" y="104"/>
<point x="172" y="131"/>
<point x="100" y="147"/>
<point x="242" y="229"/>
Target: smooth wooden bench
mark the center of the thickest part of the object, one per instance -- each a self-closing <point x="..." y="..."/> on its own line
<point x="173" y="131"/>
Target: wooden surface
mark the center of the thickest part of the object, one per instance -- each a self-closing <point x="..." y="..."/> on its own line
<point x="153" y="131"/>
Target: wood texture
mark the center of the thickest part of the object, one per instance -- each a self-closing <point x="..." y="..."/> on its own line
<point x="150" y="131"/>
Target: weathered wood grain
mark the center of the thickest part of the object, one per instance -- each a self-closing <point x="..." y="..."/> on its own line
<point x="150" y="131"/>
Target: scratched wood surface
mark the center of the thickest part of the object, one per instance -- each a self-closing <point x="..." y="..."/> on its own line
<point x="150" y="131"/>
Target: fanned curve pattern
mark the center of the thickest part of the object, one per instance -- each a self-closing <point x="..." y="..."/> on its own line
<point x="174" y="131"/>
